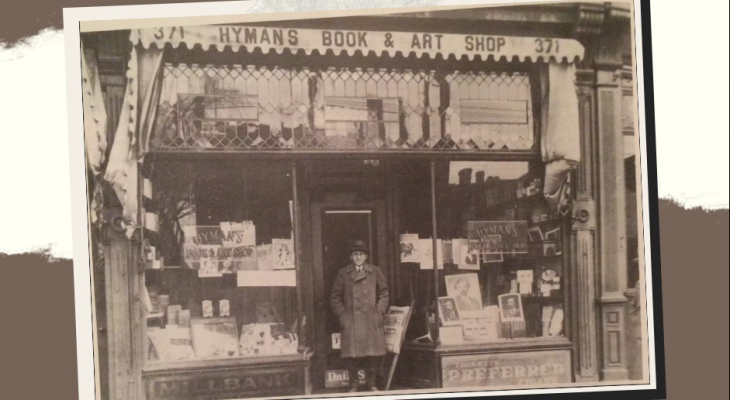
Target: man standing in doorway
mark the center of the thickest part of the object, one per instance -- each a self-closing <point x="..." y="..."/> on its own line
<point x="360" y="300"/>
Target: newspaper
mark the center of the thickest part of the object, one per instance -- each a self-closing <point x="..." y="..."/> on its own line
<point x="395" y="321"/>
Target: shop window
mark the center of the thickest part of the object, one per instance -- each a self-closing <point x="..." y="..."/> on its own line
<point x="500" y="253"/>
<point x="227" y="284"/>
<point x="249" y="108"/>
<point x="490" y="110"/>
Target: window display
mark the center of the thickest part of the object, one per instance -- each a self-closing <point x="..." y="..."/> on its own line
<point x="232" y="289"/>
<point x="499" y="253"/>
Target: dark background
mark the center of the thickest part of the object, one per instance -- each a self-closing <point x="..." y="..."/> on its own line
<point x="38" y="342"/>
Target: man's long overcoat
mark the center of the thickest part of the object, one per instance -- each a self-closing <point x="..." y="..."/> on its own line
<point x="360" y="301"/>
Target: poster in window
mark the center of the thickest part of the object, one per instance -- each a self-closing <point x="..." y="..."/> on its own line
<point x="263" y="257"/>
<point x="448" y="311"/>
<point x="209" y="261"/>
<point x="282" y="254"/>
<point x="409" y="248"/>
<point x="456" y="251"/>
<point x="425" y="247"/>
<point x="510" y="308"/>
<point x="469" y="254"/>
<point x="493" y="245"/>
<point x="214" y="337"/>
<point x="448" y="252"/>
<point x="464" y="289"/>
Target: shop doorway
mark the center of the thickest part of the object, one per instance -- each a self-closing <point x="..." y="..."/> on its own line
<point x="336" y="223"/>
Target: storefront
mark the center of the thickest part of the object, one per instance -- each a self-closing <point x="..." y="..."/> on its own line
<point x="256" y="153"/>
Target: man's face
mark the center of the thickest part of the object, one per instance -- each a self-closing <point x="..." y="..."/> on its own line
<point x="448" y="305"/>
<point x="510" y="303"/>
<point x="462" y="287"/>
<point x="359" y="257"/>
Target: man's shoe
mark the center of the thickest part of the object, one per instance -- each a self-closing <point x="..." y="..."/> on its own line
<point x="353" y="389"/>
<point x="374" y="389"/>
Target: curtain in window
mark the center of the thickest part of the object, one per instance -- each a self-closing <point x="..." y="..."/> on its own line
<point x="560" y="138"/>
<point x="94" y="112"/>
<point x="136" y="119"/>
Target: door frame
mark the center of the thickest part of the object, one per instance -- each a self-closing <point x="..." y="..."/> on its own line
<point x="322" y="344"/>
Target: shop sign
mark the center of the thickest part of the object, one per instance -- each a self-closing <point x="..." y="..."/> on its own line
<point x="229" y="385"/>
<point x="507" y="369"/>
<point x="365" y="41"/>
<point x="512" y="236"/>
<point x="337" y="378"/>
<point x="220" y="249"/>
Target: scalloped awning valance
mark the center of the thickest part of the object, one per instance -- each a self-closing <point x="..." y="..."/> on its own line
<point x="496" y="47"/>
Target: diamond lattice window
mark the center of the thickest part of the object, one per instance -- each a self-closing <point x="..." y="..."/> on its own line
<point x="247" y="108"/>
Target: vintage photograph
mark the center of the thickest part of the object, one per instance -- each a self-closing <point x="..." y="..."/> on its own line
<point x="510" y="308"/>
<point x="465" y="290"/>
<point x="449" y="311"/>
<point x="296" y="174"/>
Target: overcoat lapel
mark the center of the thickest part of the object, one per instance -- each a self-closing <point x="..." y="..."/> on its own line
<point x="356" y="276"/>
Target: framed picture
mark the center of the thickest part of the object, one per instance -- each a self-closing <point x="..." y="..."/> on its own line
<point x="409" y="248"/>
<point x="283" y="254"/>
<point x="214" y="337"/>
<point x="535" y="234"/>
<point x="555" y="237"/>
<point x="464" y="289"/>
<point x="510" y="308"/>
<point x="448" y="311"/>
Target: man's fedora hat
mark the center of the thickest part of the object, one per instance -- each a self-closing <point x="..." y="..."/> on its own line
<point x="359" y="245"/>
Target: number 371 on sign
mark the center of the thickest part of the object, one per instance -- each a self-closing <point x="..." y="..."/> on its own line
<point x="547" y="46"/>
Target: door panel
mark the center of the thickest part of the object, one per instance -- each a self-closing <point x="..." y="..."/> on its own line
<point x="336" y="223"/>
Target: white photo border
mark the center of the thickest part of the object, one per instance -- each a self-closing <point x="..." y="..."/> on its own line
<point x="73" y="17"/>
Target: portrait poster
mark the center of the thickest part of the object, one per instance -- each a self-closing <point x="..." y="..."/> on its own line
<point x="448" y="311"/>
<point x="510" y="308"/>
<point x="282" y="254"/>
<point x="514" y="235"/>
<point x="409" y="248"/>
<point x="466" y="292"/>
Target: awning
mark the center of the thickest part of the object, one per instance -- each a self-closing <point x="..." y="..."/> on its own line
<point x="560" y="136"/>
<point x="496" y="47"/>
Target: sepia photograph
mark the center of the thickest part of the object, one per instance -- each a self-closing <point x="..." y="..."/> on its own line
<point x="303" y="164"/>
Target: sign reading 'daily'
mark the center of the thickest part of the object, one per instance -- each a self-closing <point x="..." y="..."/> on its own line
<point x="364" y="41"/>
<point x="507" y="369"/>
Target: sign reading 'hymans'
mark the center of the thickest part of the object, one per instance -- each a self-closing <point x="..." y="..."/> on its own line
<point x="363" y="41"/>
